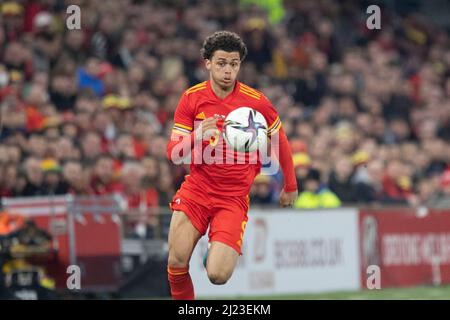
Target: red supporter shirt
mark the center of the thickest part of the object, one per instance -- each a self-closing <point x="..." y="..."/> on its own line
<point x="200" y="102"/>
<point x="99" y="188"/>
<point x="393" y="190"/>
<point x="147" y="199"/>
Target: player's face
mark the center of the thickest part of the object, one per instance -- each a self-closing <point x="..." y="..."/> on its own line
<point x="224" y="67"/>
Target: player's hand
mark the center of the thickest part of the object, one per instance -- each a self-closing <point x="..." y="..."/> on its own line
<point x="287" y="199"/>
<point x="206" y="129"/>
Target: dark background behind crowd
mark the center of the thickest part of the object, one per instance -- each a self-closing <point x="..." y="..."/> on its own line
<point x="89" y="111"/>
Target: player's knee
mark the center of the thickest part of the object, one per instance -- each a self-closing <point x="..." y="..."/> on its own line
<point x="218" y="277"/>
<point x="177" y="260"/>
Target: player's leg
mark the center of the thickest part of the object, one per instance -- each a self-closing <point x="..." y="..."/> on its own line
<point x="189" y="222"/>
<point x="225" y="235"/>
<point x="183" y="237"/>
<point x="222" y="260"/>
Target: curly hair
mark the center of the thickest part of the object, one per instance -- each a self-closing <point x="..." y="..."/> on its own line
<point x="223" y="40"/>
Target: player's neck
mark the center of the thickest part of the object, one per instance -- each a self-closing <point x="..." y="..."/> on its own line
<point x="221" y="92"/>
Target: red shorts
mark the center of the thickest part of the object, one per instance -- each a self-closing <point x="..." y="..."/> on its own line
<point x="226" y="216"/>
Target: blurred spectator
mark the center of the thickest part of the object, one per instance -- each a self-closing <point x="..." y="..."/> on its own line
<point x="52" y="182"/>
<point x="340" y="181"/>
<point x="261" y="192"/>
<point x="369" y="182"/>
<point x="73" y="175"/>
<point x="396" y="183"/>
<point x="142" y="201"/>
<point x="151" y="170"/>
<point x="63" y="91"/>
<point x="37" y="145"/>
<point x="302" y="163"/>
<point x="442" y="198"/>
<point x="88" y="77"/>
<point x="34" y="176"/>
<point x="104" y="178"/>
<point x="315" y="195"/>
<point x="165" y="189"/>
<point x="91" y="147"/>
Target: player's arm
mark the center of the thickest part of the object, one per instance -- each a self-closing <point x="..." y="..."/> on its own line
<point x="280" y="144"/>
<point x="186" y="141"/>
<point x="183" y="135"/>
<point x="284" y="155"/>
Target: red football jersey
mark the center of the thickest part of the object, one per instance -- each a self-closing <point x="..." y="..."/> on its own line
<point x="200" y="102"/>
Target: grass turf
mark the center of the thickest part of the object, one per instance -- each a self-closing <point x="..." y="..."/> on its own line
<point x="426" y="293"/>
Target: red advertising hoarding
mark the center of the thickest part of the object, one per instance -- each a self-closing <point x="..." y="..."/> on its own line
<point x="411" y="247"/>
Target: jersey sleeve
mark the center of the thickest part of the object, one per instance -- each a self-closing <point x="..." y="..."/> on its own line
<point x="183" y="118"/>
<point x="270" y="113"/>
<point x="284" y="154"/>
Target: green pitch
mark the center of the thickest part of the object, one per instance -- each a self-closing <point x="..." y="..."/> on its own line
<point x="427" y="293"/>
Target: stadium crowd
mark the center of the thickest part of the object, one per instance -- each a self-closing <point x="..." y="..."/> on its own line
<point x="89" y="111"/>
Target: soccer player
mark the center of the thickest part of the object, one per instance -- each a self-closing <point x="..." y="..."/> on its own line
<point x="216" y="195"/>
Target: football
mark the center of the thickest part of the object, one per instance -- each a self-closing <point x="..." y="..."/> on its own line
<point x="245" y="130"/>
